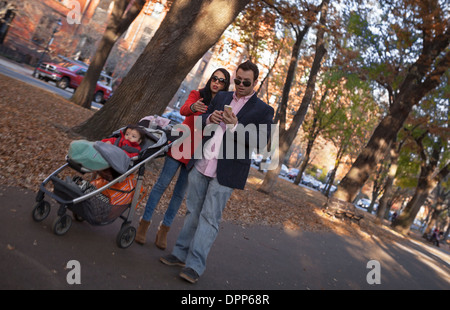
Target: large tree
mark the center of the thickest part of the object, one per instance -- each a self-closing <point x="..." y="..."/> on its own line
<point x="430" y="176"/>
<point x="189" y="29"/>
<point x="420" y="27"/>
<point x="287" y="136"/>
<point x="428" y="151"/>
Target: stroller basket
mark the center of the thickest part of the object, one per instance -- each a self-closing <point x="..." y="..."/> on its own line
<point x="95" y="210"/>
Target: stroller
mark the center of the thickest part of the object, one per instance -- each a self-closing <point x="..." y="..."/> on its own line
<point x="87" y="202"/>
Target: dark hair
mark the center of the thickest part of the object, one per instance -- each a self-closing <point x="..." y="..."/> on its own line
<point x="206" y="94"/>
<point x="248" y="65"/>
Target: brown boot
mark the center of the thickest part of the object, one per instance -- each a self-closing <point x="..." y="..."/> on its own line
<point x="142" y="231"/>
<point x="161" y="236"/>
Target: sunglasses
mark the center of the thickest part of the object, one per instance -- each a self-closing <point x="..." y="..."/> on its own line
<point x="245" y="83"/>
<point x="220" y="80"/>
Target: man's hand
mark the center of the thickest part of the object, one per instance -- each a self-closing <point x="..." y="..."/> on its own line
<point x="216" y="117"/>
<point x="229" y="118"/>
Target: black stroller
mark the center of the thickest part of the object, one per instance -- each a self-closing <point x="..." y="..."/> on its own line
<point x="86" y="203"/>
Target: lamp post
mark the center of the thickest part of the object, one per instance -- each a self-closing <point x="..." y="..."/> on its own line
<point x="55" y="30"/>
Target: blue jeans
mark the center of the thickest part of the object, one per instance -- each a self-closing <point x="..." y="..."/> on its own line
<point x="205" y="201"/>
<point x="167" y="173"/>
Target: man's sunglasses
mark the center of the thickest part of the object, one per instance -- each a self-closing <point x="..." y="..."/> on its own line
<point x="245" y="83"/>
<point x="220" y="80"/>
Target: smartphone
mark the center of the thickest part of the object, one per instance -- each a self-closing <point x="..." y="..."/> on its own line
<point x="228" y="108"/>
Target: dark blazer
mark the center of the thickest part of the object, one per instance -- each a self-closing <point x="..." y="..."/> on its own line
<point x="254" y="129"/>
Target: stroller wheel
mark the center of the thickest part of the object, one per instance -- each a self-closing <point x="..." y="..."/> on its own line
<point x="41" y="211"/>
<point x="125" y="237"/>
<point x="62" y="224"/>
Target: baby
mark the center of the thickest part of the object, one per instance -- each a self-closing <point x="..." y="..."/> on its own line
<point x="129" y="141"/>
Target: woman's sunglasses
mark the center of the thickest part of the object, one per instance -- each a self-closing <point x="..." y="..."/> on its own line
<point x="220" y="80"/>
<point x="245" y="83"/>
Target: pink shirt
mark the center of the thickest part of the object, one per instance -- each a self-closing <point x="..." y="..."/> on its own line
<point x="208" y="164"/>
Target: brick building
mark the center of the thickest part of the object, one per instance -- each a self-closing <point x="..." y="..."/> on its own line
<point x="27" y="33"/>
<point x="29" y="29"/>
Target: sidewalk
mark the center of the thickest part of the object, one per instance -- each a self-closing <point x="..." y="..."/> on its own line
<point x="17" y="67"/>
<point x="242" y="258"/>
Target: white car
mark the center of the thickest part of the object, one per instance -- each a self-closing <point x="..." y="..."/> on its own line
<point x="365" y="204"/>
<point x="284" y="170"/>
<point x="307" y="180"/>
<point x="332" y="188"/>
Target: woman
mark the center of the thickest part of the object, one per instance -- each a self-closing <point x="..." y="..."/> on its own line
<point x="196" y="104"/>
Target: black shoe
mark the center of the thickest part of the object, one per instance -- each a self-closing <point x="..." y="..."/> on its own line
<point x="189" y="275"/>
<point x="171" y="260"/>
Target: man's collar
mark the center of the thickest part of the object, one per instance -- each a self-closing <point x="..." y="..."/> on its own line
<point x="246" y="98"/>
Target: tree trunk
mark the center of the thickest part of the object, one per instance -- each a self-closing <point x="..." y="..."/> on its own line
<point x="84" y="93"/>
<point x="404" y="221"/>
<point x="272" y="175"/>
<point x="118" y="23"/>
<point x="435" y="213"/>
<point x="302" y="168"/>
<point x="281" y="115"/>
<point x="371" y="155"/>
<point x="288" y="136"/>
<point x="381" y="211"/>
<point x="189" y="29"/>
<point x="306" y="158"/>
<point x="425" y="186"/>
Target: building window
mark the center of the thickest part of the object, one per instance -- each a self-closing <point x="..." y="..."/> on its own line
<point x="44" y="29"/>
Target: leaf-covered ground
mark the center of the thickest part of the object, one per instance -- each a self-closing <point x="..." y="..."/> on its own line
<point x="35" y="138"/>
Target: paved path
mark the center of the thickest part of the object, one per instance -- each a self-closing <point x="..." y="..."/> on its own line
<point x="242" y="258"/>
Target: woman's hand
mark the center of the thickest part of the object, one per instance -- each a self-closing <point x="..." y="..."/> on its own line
<point x="199" y="106"/>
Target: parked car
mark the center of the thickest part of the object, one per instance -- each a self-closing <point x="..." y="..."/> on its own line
<point x="365" y="204"/>
<point x="292" y="173"/>
<point x="256" y="159"/>
<point x="70" y="74"/>
<point x="307" y="180"/>
<point x="174" y="116"/>
<point x="332" y="188"/>
<point x="284" y="170"/>
<point x="316" y="184"/>
<point x="310" y="181"/>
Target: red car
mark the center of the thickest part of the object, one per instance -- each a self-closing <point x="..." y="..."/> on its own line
<point x="67" y="74"/>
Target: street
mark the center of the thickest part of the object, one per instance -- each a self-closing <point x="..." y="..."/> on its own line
<point x="24" y="74"/>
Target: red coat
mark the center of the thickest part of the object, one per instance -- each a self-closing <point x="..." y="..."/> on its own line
<point x="124" y="142"/>
<point x="185" y="110"/>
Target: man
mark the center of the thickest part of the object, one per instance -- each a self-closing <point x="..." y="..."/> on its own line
<point x="224" y="166"/>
